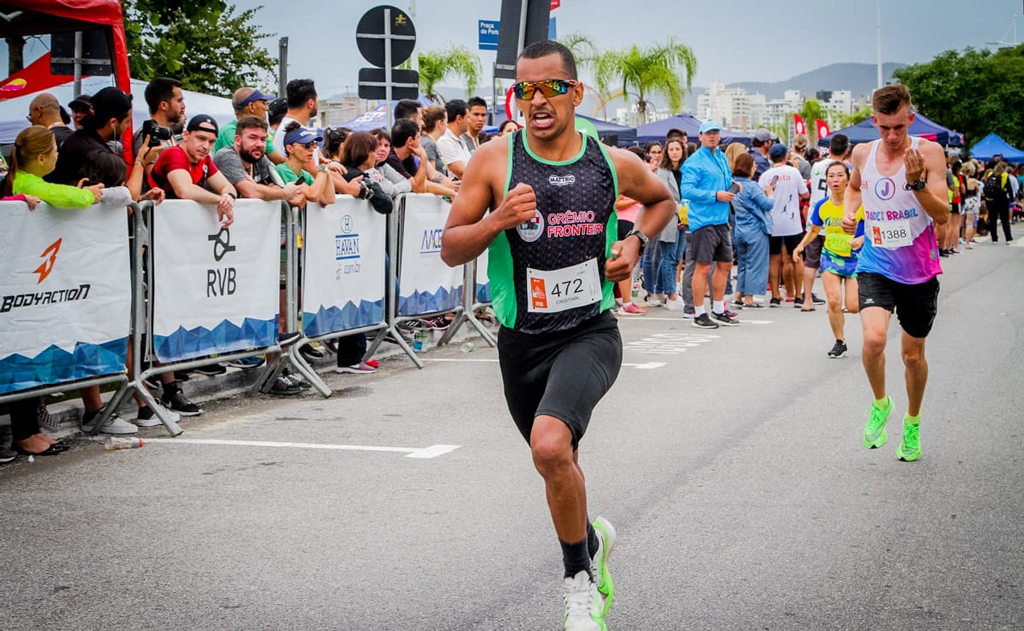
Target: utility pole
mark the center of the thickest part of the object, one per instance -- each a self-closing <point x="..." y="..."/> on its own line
<point x="878" y="18"/>
<point x="282" y="72"/>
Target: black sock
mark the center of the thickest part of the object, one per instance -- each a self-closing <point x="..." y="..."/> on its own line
<point x="171" y="389"/>
<point x="575" y="558"/>
<point x="591" y="539"/>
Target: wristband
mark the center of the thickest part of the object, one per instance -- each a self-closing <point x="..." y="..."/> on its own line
<point x="233" y="196"/>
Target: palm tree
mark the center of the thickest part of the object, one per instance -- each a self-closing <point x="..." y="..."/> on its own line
<point x="810" y="112"/>
<point x="454" y="61"/>
<point x="646" y="71"/>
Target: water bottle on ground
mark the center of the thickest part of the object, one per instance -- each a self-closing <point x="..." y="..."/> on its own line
<point x="116" y="442"/>
<point x="468" y="347"/>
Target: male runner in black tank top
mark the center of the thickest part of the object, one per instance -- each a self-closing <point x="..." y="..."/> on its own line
<point x="553" y="258"/>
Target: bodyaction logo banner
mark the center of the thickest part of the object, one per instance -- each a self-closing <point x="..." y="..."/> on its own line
<point x="426" y="283"/>
<point x="215" y="290"/>
<point x="65" y="294"/>
<point x="343" y="276"/>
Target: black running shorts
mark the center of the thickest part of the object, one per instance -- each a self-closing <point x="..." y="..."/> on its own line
<point x="790" y="241"/>
<point x="914" y="305"/>
<point x="561" y="374"/>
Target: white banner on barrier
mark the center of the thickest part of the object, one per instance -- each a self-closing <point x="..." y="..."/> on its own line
<point x="343" y="277"/>
<point x="426" y="284"/>
<point x="65" y="286"/>
<point x="483" y="285"/>
<point x="215" y="290"/>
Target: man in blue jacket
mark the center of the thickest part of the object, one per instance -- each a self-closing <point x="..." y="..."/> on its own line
<point x="705" y="181"/>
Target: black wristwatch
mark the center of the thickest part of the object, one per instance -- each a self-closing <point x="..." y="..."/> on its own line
<point x="918" y="185"/>
<point x="639" y="235"/>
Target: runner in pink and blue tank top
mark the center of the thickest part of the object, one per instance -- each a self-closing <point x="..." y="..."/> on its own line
<point x="901" y="182"/>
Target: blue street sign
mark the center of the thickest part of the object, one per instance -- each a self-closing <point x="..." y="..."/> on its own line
<point x="552" y="29"/>
<point x="489" y="34"/>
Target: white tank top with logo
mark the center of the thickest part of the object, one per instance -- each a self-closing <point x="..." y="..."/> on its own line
<point x="899" y="236"/>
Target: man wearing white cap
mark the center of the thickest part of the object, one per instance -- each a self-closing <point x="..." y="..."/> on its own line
<point x="705" y="180"/>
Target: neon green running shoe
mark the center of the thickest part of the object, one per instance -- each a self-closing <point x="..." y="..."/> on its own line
<point x="910" y="447"/>
<point x="874" y="431"/>
<point x="599" y="564"/>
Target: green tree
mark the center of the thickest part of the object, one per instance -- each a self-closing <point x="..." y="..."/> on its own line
<point x="971" y="91"/>
<point x="810" y="112"/>
<point x="646" y="71"/>
<point x="207" y="44"/>
<point x="454" y="61"/>
<point x="864" y="113"/>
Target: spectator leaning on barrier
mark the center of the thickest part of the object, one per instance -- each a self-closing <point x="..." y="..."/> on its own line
<point x="300" y="144"/>
<point x="451" y="145"/>
<point x="248" y="102"/>
<point x="186" y="171"/>
<point x="80" y="108"/>
<point x="477" y="115"/>
<point x="391" y="182"/>
<point x="111" y="115"/>
<point x="44" y="110"/>
<point x="406" y="156"/>
<point x="245" y="165"/>
<point x="334" y="143"/>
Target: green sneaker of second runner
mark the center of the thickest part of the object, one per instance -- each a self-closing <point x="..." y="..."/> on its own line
<point x="874" y="431"/>
<point x="599" y="564"/>
<point x="910" y="447"/>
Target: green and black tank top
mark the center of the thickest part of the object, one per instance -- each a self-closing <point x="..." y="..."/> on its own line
<point x="547" y="275"/>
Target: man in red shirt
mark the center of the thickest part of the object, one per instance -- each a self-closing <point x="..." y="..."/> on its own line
<point x="186" y="170"/>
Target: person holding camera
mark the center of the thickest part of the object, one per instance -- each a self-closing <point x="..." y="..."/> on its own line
<point x="166" y="118"/>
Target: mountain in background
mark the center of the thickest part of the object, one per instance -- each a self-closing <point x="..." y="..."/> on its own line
<point x="859" y="79"/>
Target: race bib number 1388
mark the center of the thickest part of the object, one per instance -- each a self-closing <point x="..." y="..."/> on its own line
<point x="552" y="291"/>
<point x="891" y="234"/>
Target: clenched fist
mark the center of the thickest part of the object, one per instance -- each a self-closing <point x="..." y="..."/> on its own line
<point x="518" y="207"/>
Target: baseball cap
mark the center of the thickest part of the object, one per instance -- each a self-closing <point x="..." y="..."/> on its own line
<point x="301" y="135"/>
<point x="762" y="136"/>
<point x="203" y="122"/>
<point x="256" y="95"/>
<point x="83" y="102"/>
<point x="110" y="103"/>
<point x="707" y="126"/>
<point x="777" y="151"/>
<point x="278" y="106"/>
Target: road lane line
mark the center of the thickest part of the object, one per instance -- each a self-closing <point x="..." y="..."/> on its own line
<point x="646" y="366"/>
<point x="410" y="452"/>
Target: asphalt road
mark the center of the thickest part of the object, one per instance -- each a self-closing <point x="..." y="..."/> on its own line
<point x="730" y="462"/>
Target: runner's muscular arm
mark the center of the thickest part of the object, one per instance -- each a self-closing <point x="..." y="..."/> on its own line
<point x="637" y="182"/>
<point x="470" y="228"/>
<point x="929" y="160"/>
<point x="854" y="197"/>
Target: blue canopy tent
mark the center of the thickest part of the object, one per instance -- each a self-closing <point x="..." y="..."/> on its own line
<point x="865" y="131"/>
<point x="626" y="135"/>
<point x="689" y="124"/>
<point x="993" y="145"/>
<point x="375" y="118"/>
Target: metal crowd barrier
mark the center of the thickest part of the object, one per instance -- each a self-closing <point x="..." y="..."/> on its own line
<point x="119" y="377"/>
<point x="397" y="244"/>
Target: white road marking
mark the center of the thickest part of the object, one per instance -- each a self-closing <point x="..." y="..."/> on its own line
<point x="410" y="452"/>
<point x="668" y="343"/>
<point x="647" y="366"/>
<point x="681" y="320"/>
<point x="1017" y="243"/>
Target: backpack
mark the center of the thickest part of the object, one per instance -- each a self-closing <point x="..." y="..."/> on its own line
<point x="993" y="189"/>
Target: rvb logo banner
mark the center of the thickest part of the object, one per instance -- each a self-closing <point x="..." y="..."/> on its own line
<point x="65" y="294"/>
<point x="343" y="278"/>
<point x="215" y="289"/>
<point x="426" y="284"/>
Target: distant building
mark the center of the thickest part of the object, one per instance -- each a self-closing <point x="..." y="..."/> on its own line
<point x="778" y="112"/>
<point x="339" y="108"/>
<point x="733" y="108"/>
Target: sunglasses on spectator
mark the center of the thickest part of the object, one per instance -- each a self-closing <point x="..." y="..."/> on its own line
<point x="307" y="145"/>
<point x="550" y="88"/>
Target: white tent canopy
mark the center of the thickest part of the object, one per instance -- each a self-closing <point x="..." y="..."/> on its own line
<point x="13" y="111"/>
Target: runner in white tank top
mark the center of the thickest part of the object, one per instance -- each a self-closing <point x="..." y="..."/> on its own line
<point x="902" y="185"/>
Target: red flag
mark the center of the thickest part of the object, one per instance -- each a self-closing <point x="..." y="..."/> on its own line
<point x="798" y="124"/>
<point x="822" y="128"/>
<point x="555" y="4"/>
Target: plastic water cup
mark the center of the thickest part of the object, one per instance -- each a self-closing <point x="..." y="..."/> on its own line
<point x="468" y="347"/>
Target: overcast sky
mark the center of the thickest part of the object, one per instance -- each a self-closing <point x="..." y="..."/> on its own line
<point x="734" y="40"/>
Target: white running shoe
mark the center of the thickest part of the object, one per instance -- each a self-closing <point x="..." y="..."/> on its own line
<point x="114" y="425"/>
<point x="675" y="305"/>
<point x="583" y="606"/>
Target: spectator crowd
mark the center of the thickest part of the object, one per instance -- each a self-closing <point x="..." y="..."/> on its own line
<point x="763" y="210"/>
